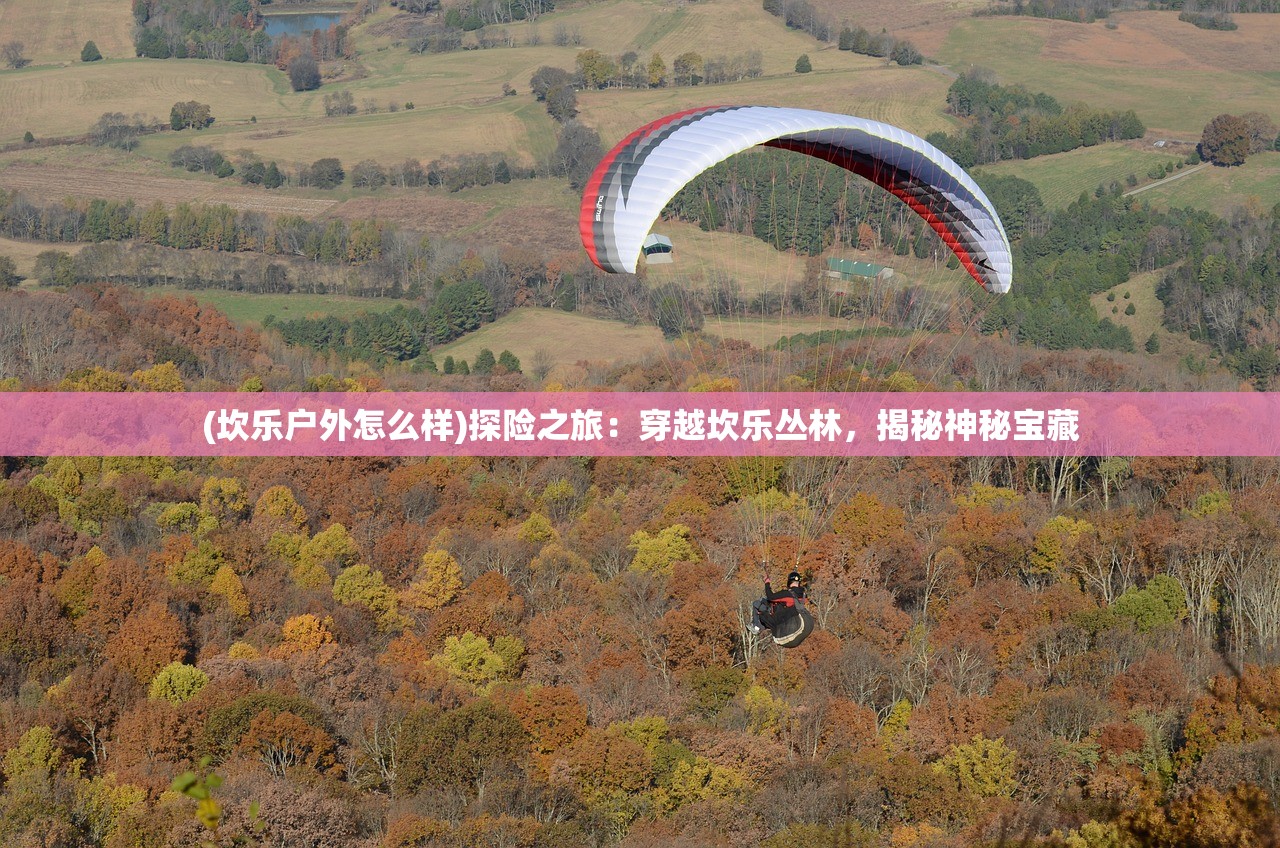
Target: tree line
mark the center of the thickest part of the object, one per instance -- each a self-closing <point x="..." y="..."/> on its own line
<point x="1043" y="125"/>
<point x="1206" y="14"/>
<point x="399" y="334"/>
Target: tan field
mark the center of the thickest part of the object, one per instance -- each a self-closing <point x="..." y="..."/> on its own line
<point x="24" y="253"/>
<point x="56" y="30"/>
<point x="57" y="182"/>
<point x="1175" y="76"/>
<point x="567" y="338"/>
<point x="703" y="257"/>
<point x="912" y="98"/>
<point x="423" y="134"/>
<point x="68" y="100"/>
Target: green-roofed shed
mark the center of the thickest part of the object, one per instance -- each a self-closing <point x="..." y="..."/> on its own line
<point x="847" y="269"/>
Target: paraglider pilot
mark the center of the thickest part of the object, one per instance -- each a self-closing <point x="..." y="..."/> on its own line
<point x="777" y="607"/>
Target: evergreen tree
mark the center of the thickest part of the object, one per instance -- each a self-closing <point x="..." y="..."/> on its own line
<point x="508" y="360"/>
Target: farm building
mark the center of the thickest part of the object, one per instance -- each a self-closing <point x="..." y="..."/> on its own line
<point x="657" y="249"/>
<point x="847" y="269"/>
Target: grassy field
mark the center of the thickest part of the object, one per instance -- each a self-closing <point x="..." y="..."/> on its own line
<point x="539" y="214"/>
<point x="24" y="253"/>
<point x="1176" y="77"/>
<point x="565" y="337"/>
<point x="1062" y="177"/>
<point x="701" y="258"/>
<point x="56" y="30"/>
<point x="763" y="332"/>
<point x="55" y="182"/>
<point x="422" y="133"/>
<point x="67" y="100"/>
<point x="458" y="97"/>
<point x="251" y="309"/>
<point x="1255" y="183"/>
<point x="1148" y="317"/>
<point x="912" y="98"/>
<point x="1148" y="310"/>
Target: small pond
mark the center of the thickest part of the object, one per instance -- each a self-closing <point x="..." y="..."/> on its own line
<point x="299" y="24"/>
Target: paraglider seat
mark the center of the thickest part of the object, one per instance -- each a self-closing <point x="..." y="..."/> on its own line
<point x="794" y="630"/>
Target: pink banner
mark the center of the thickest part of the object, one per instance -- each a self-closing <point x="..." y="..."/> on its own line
<point x="639" y="424"/>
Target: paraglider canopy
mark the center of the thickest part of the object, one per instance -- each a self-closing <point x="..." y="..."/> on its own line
<point x="634" y="181"/>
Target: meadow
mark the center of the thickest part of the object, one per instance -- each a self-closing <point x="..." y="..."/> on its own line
<point x="563" y="339"/>
<point x="56" y="30"/>
<point x="57" y="181"/>
<point x="560" y="338"/>
<point x="1176" y="77"/>
<point x="68" y="100"/>
<point x="24" y="253"/>
<point x="1256" y="183"/>
<point x="1063" y="177"/>
<point x="1148" y="318"/>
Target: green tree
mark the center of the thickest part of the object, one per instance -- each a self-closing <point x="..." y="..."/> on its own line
<point x="325" y="553"/>
<point x="687" y="69"/>
<point x="189" y="114"/>
<point x="595" y="69"/>
<point x="985" y="767"/>
<point x="279" y="511"/>
<point x="905" y="53"/>
<point x="9" y="276"/>
<point x="484" y="362"/>
<point x="660" y="551"/>
<point x="1160" y="603"/>
<point x="508" y="360"/>
<point x="55" y="268"/>
<point x="177" y="683"/>
<point x="803" y="65"/>
<point x="478" y="662"/>
<point x="326" y="173"/>
<point x="361" y="586"/>
<point x="228" y="584"/>
<point x="90" y="52"/>
<point x="657" y="71"/>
